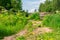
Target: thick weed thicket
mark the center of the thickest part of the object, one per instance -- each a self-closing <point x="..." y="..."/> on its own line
<point x="11" y="24"/>
<point x="52" y="20"/>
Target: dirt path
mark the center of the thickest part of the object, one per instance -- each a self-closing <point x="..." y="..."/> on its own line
<point x="36" y="31"/>
<point x="21" y="33"/>
<point x="42" y="30"/>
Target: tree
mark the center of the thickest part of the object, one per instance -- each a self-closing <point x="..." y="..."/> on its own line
<point x="11" y="4"/>
<point x="46" y="7"/>
<point x="5" y="3"/>
<point x="16" y="4"/>
<point x="56" y="4"/>
<point x="49" y="6"/>
<point x="41" y="7"/>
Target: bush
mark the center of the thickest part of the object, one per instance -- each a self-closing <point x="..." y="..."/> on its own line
<point x="34" y="16"/>
<point x="52" y="20"/>
<point x="11" y="24"/>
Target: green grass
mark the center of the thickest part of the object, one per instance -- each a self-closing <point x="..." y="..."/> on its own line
<point x="21" y="38"/>
<point x="52" y="20"/>
<point x="11" y="24"/>
<point x="49" y="36"/>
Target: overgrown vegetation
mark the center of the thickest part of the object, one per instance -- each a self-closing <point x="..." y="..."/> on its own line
<point x="52" y="20"/>
<point x="11" y="4"/>
<point x="11" y="24"/>
<point x="49" y="6"/>
<point x="21" y="38"/>
<point x="34" y="16"/>
<point x="13" y="19"/>
<point x="46" y="36"/>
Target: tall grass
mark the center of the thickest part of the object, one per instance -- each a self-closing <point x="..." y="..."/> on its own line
<point x="11" y="24"/>
<point x="52" y="20"/>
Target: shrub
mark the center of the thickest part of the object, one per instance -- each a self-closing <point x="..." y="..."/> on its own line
<point x="11" y="24"/>
<point x="34" y="16"/>
<point x="52" y="20"/>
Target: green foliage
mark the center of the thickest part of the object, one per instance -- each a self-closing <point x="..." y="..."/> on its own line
<point x="11" y="24"/>
<point x="25" y="13"/>
<point x="46" y="6"/>
<point x="49" y="36"/>
<point x="21" y="38"/>
<point x="11" y="4"/>
<point x="29" y="27"/>
<point x="16" y="4"/>
<point x="49" y="6"/>
<point x="56" y="4"/>
<point x="52" y="20"/>
<point x="5" y="3"/>
<point x="34" y="16"/>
